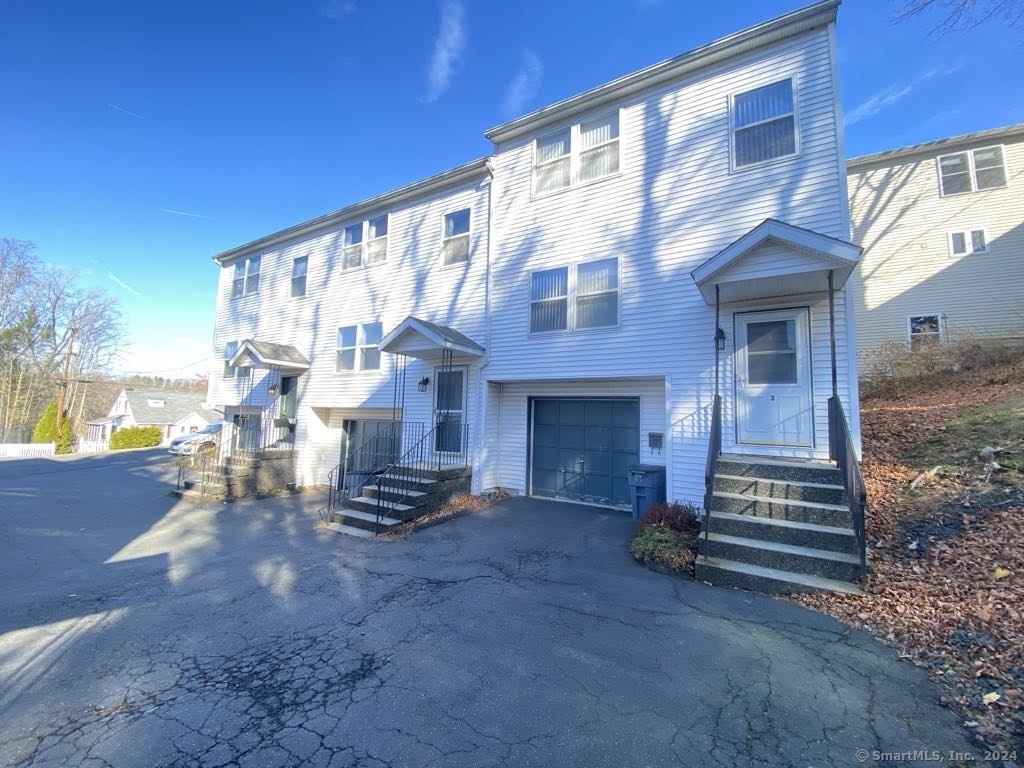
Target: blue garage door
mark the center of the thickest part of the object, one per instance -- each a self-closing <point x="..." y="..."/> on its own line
<point x="580" y="449"/>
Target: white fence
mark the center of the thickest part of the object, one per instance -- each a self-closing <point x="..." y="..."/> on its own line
<point x="26" y="450"/>
<point x="92" y="446"/>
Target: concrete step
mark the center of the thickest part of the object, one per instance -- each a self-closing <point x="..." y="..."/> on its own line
<point x="357" y="518"/>
<point x="772" y="581"/>
<point x="350" y="530"/>
<point x="831" y="538"/>
<point x="394" y="509"/>
<point x="840" y="566"/>
<point x="816" y="512"/>
<point x="394" y="494"/>
<point x="798" y="490"/>
<point x="800" y="470"/>
<point x="430" y="471"/>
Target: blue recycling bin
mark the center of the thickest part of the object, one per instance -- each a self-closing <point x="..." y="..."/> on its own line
<point x="646" y="486"/>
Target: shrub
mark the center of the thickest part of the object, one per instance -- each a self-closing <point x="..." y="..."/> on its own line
<point x="135" y="437"/>
<point x="46" y="430"/>
<point x="677" y="517"/>
<point x="664" y="546"/>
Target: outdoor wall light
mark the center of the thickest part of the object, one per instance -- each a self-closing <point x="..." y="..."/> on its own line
<point x="423" y="384"/>
<point x="719" y="339"/>
<point x="272" y="390"/>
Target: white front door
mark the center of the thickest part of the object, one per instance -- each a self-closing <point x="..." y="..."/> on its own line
<point x="773" y="378"/>
<point x="449" y="408"/>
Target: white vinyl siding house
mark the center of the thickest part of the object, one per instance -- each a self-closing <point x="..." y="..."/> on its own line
<point x="576" y="273"/>
<point x="942" y="227"/>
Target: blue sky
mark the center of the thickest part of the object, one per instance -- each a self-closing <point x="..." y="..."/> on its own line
<point x="139" y="139"/>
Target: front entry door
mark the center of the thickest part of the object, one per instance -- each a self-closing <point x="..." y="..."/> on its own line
<point x="449" y="408"/>
<point x="773" y="378"/>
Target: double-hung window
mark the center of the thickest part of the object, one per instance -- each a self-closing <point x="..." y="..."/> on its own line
<point x="246" y="277"/>
<point x="973" y="241"/>
<point x="455" y="240"/>
<point x="976" y="170"/>
<point x="576" y="154"/>
<point x="925" y="330"/>
<point x="299" y="267"/>
<point x="365" y="242"/>
<point x="584" y="296"/>
<point x="764" y="124"/>
<point x="358" y="348"/>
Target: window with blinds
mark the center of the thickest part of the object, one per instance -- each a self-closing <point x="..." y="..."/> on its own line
<point x="764" y="124"/>
<point x="973" y="171"/>
<point x="455" y="238"/>
<point x="584" y="296"/>
<point x="577" y="154"/>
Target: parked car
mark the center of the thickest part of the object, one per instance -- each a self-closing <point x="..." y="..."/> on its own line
<point x="188" y="445"/>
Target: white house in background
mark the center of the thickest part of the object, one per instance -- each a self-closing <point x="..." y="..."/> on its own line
<point x="175" y="413"/>
<point x="649" y="272"/>
<point x="942" y="227"/>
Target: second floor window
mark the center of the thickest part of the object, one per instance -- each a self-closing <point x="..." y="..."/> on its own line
<point x="586" y="296"/>
<point x="972" y="171"/>
<point x="576" y="154"/>
<point x="357" y="347"/>
<point x="366" y="242"/>
<point x="763" y="124"/>
<point x="455" y="243"/>
<point x="246" y="279"/>
<point x="299" y="267"/>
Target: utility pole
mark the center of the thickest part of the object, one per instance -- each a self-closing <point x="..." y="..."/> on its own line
<point x="62" y="392"/>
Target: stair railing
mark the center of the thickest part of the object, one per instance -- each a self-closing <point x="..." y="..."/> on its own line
<point x="447" y="444"/>
<point x="842" y="452"/>
<point x="714" y="451"/>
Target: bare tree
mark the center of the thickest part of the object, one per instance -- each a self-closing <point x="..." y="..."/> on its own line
<point x="965" y="14"/>
<point x="45" y="317"/>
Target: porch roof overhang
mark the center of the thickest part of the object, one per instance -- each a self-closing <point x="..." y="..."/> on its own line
<point x="774" y="260"/>
<point x="252" y="353"/>
<point x="421" y="338"/>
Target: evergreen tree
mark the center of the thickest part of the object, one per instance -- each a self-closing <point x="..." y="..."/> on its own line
<point x="46" y="429"/>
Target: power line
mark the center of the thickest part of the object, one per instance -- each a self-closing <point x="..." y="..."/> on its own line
<point x="202" y="359"/>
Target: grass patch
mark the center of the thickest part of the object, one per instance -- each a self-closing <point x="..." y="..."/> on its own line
<point x="998" y="425"/>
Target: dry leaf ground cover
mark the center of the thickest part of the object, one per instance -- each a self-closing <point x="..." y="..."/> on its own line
<point x="946" y="540"/>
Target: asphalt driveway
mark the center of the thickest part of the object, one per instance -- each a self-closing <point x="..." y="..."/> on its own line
<point x="138" y="630"/>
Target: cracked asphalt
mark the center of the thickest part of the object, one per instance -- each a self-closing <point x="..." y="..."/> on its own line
<point x="139" y="630"/>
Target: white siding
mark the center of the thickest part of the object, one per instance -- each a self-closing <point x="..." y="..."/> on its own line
<point x="514" y="417"/>
<point x="908" y="269"/>
<point x="412" y="281"/>
<point x="674" y="205"/>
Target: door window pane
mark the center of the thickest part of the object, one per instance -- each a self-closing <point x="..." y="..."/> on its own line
<point x="771" y="368"/>
<point x="771" y="336"/>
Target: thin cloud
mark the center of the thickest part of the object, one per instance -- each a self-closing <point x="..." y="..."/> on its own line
<point x="186" y="213"/>
<point x="338" y="9"/>
<point x="448" y="48"/>
<point x="524" y="85"/>
<point x="136" y="115"/>
<point x="886" y="98"/>
<point x="121" y="283"/>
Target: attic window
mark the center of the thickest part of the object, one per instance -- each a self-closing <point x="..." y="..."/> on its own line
<point x="156" y="403"/>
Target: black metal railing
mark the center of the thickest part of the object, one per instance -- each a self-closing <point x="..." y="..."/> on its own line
<point x="194" y="470"/>
<point x="446" y="445"/>
<point x="714" y="451"/>
<point x="842" y="452"/>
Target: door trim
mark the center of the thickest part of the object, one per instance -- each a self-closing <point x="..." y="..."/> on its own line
<point x="803" y="315"/>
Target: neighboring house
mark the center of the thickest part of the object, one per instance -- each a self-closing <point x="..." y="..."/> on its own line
<point x="638" y="274"/>
<point x="175" y="413"/>
<point x="942" y="227"/>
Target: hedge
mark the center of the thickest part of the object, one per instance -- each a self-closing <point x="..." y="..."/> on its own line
<point x="136" y="437"/>
<point x="46" y="430"/>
